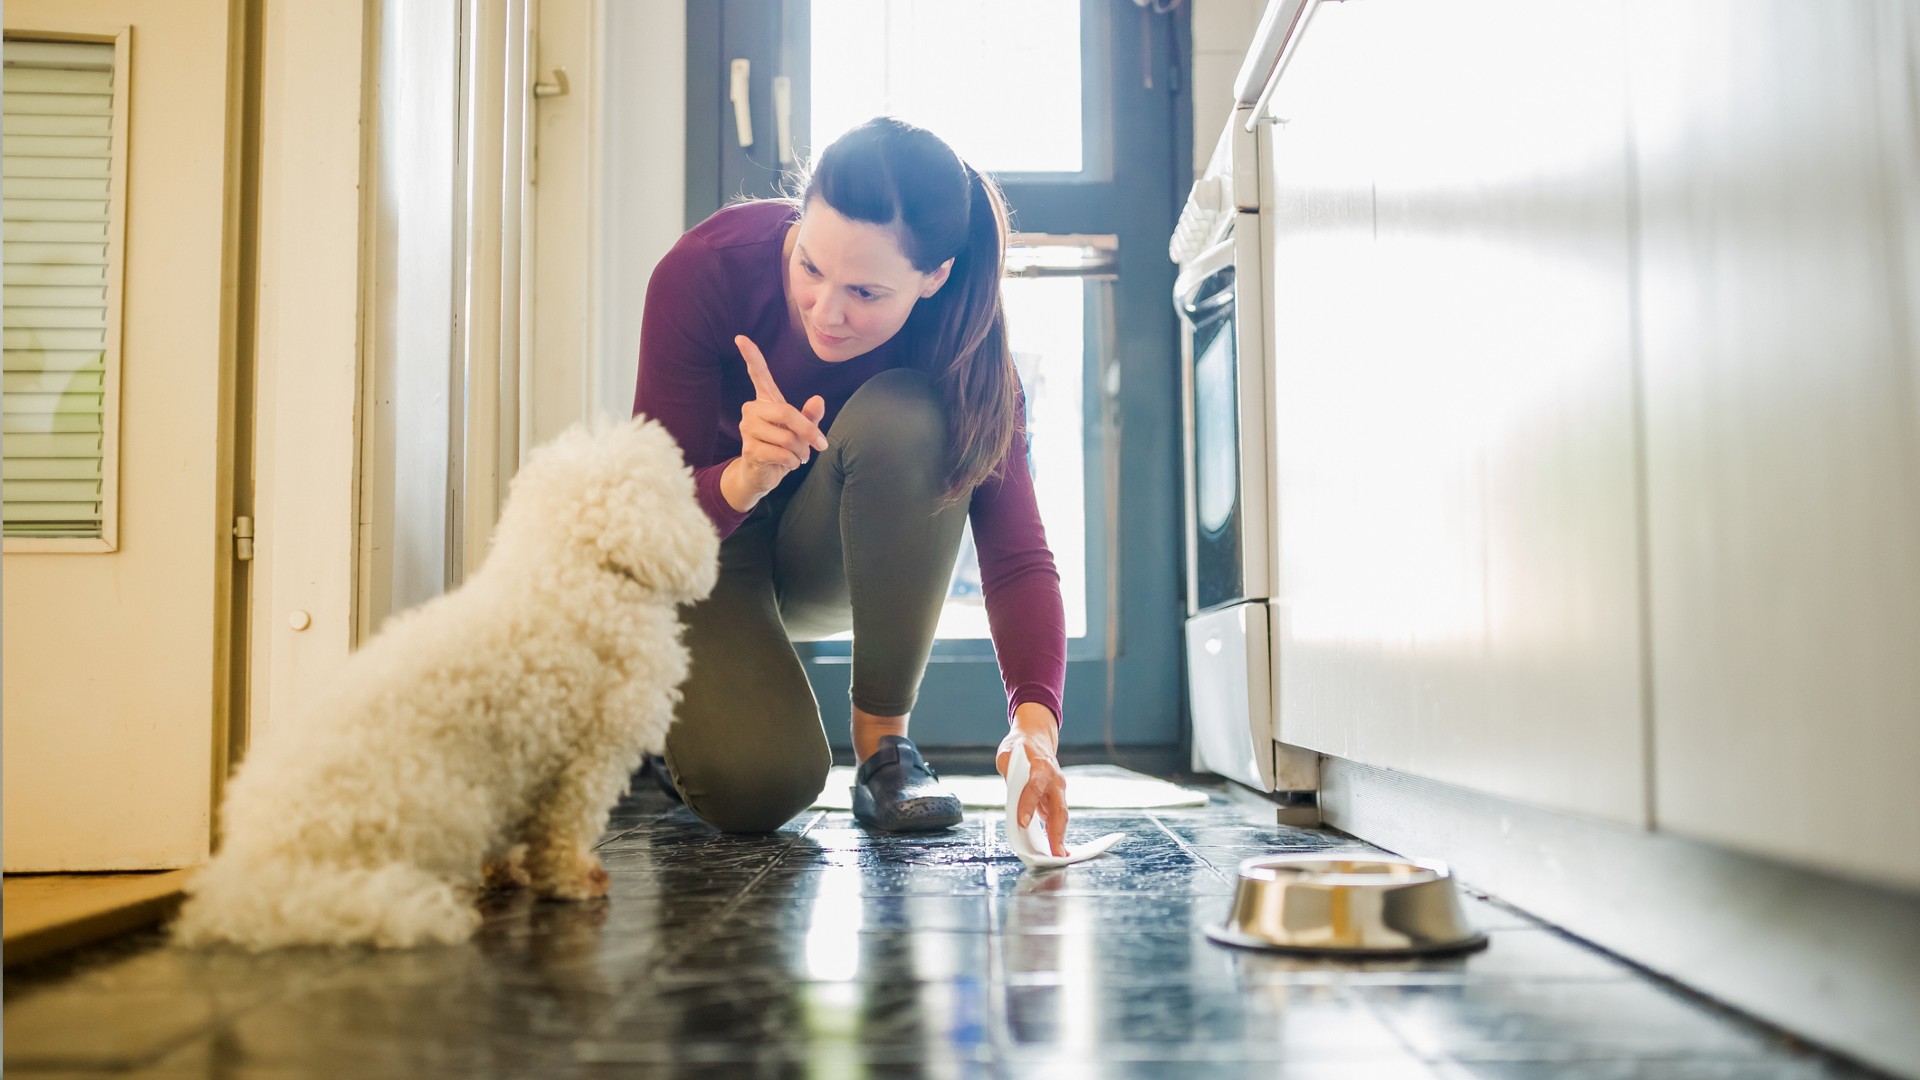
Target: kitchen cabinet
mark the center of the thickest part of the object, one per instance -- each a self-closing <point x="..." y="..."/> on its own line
<point x="1595" y="338"/>
<point x="1451" y="333"/>
<point x="1779" y="296"/>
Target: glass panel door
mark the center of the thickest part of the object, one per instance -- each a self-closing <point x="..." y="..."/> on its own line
<point x="1047" y="96"/>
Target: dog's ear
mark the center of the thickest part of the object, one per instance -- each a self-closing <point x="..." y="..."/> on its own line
<point x="617" y="498"/>
<point x="656" y="533"/>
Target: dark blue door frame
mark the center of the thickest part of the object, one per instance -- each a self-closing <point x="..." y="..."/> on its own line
<point x="1124" y="681"/>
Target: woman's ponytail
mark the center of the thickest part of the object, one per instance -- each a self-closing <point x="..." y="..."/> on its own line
<point x="969" y="347"/>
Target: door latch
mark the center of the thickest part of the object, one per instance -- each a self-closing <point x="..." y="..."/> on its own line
<point x="559" y="87"/>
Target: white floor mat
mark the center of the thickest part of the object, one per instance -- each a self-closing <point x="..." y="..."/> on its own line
<point x="1089" y="787"/>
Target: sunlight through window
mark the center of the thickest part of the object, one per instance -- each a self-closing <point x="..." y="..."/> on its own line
<point x="959" y="70"/>
<point x="1046" y="328"/>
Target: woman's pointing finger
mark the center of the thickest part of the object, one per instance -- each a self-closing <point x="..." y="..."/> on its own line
<point x="763" y="382"/>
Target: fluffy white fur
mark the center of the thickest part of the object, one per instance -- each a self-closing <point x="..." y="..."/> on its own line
<point x="498" y="723"/>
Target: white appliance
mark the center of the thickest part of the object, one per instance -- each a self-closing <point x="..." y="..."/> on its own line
<point x="1228" y="508"/>
<point x="1232" y="561"/>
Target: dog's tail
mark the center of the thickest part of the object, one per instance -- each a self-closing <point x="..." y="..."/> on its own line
<point x="269" y="906"/>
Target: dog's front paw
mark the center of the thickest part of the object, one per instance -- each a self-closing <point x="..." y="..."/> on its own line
<point x="598" y="883"/>
<point x="590" y="883"/>
<point x="508" y="870"/>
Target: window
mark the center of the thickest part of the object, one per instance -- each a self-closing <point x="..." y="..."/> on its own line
<point x="1053" y="288"/>
<point x="65" y="168"/>
<point x="1046" y="319"/>
<point x="906" y="58"/>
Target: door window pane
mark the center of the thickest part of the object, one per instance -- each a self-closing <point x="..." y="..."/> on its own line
<point x="999" y="80"/>
<point x="1046" y="327"/>
<point x="62" y="162"/>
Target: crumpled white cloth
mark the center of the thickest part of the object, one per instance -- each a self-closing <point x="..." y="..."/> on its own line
<point x="1030" y="843"/>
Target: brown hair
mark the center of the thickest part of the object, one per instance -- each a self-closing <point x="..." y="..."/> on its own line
<point x="888" y="172"/>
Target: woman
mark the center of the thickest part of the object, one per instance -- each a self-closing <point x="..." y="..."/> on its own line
<point x="836" y="371"/>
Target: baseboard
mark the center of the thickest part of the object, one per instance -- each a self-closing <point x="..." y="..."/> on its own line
<point x="51" y="913"/>
<point x="1832" y="961"/>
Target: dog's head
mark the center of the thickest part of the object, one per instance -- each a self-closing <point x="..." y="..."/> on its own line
<point x="612" y="498"/>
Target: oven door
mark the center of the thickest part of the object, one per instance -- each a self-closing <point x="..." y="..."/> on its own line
<point x="1216" y="533"/>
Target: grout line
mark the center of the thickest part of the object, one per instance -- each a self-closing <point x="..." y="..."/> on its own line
<point x="621" y="835"/>
<point x="721" y="916"/>
<point x="995" y="927"/>
<point x="998" y="1041"/>
<point x="1349" y="994"/>
<point x="818" y="814"/>
<point x="637" y="826"/>
<point x="1186" y="847"/>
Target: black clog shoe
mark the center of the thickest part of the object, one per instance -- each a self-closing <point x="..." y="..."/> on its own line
<point x="895" y="790"/>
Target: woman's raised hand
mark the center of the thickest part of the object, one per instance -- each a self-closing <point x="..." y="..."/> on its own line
<point x="775" y="437"/>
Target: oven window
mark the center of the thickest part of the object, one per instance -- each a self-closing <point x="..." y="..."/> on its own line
<point x="1219" y="575"/>
<point x="1216" y="432"/>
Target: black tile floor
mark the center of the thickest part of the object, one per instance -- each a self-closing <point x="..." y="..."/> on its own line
<point x="825" y="951"/>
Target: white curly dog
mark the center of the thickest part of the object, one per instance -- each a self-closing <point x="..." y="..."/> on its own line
<point x="497" y="724"/>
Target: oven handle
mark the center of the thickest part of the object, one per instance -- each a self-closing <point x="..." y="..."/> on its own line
<point x="1186" y="287"/>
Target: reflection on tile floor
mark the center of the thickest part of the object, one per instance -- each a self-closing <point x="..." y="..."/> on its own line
<point x="824" y="951"/>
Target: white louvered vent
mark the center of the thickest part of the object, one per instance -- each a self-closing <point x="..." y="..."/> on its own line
<point x="61" y="259"/>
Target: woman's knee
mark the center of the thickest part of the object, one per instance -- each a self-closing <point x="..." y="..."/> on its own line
<point x="751" y="790"/>
<point x="899" y="413"/>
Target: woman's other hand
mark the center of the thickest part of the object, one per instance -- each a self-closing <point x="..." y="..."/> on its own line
<point x="1046" y="788"/>
<point x="775" y="437"/>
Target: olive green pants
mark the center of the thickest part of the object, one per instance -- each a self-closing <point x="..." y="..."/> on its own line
<point x="860" y="545"/>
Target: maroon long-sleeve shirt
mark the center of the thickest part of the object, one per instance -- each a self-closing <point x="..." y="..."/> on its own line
<point x="725" y="278"/>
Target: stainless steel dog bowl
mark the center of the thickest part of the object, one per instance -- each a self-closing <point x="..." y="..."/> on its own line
<point x="1346" y="906"/>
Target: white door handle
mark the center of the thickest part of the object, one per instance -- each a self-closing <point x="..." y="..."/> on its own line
<point x="742" y="119"/>
<point x="783" y="116"/>
<point x="559" y="87"/>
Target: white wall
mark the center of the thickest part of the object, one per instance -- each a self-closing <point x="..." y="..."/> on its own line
<point x="1222" y="32"/>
